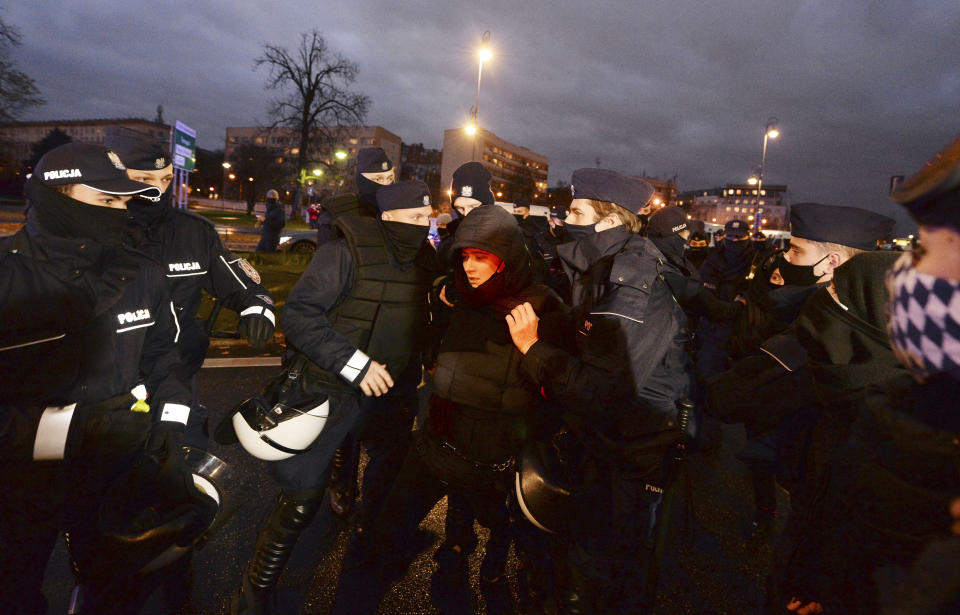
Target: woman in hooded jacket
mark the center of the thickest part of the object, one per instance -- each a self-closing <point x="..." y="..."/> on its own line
<point x="483" y="409"/>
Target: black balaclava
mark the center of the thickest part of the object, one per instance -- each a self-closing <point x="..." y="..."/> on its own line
<point x="370" y="160"/>
<point x="57" y="214"/>
<point x="405" y="239"/>
<point x="672" y="247"/>
<point x="146" y="213"/>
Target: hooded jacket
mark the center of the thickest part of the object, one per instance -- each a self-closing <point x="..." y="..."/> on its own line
<point x="483" y="405"/>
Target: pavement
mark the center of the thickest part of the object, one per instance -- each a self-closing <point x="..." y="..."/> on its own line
<point x="708" y="567"/>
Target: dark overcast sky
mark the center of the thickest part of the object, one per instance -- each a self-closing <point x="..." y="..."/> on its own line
<point x="863" y="89"/>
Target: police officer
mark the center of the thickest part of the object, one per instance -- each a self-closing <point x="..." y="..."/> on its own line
<point x="88" y="362"/>
<point x="359" y="314"/>
<point x="890" y="484"/>
<point x="618" y="390"/>
<point x="194" y="259"/>
<point x="374" y="171"/>
<point x="823" y="239"/>
<point x="271" y="223"/>
<point x="667" y="229"/>
<point x="469" y="189"/>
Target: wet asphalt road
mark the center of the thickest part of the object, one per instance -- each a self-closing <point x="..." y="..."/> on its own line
<point x="708" y="568"/>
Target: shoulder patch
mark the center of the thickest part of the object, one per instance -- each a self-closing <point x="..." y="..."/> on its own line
<point x="248" y="269"/>
<point x="266" y="299"/>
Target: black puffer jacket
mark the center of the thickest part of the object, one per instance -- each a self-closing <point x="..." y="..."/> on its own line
<point x="483" y="406"/>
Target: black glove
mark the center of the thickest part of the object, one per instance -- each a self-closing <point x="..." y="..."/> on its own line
<point x="257" y="329"/>
<point x="107" y="429"/>
<point x="166" y="442"/>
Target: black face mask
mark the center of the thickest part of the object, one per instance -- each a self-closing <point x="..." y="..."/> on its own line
<point x="672" y="247"/>
<point x="576" y="232"/>
<point x="405" y="239"/>
<point x="60" y="215"/>
<point x="798" y="275"/>
<point x="367" y="190"/>
<point x="146" y="213"/>
<point x="518" y="217"/>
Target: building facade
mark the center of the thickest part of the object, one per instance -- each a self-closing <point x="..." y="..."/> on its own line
<point x="740" y="202"/>
<point x="283" y="142"/>
<point x="17" y="138"/>
<point x="518" y="173"/>
<point x="419" y="162"/>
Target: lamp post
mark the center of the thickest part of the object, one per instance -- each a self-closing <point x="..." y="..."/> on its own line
<point x="223" y="183"/>
<point x="769" y="132"/>
<point x="484" y="55"/>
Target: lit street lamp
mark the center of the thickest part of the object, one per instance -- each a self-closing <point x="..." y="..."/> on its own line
<point x="223" y="182"/>
<point x="484" y="55"/>
<point x="769" y="132"/>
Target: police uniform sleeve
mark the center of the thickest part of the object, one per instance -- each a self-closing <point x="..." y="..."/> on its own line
<point x="325" y="283"/>
<point x="235" y="283"/>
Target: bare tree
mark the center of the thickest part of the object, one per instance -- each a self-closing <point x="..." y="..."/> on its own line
<point x="315" y="99"/>
<point x="17" y="90"/>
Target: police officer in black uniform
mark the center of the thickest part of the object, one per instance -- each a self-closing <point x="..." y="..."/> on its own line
<point x="374" y="170"/>
<point x="359" y="314"/>
<point x="88" y="361"/>
<point x="618" y="390"/>
<point x="194" y="259"/>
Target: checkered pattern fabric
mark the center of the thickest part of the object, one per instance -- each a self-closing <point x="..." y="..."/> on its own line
<point x="924" y="325"/>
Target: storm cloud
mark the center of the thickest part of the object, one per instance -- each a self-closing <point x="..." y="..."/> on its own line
<point x="862" y="90"/>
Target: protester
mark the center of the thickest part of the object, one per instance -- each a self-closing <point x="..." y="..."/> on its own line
<point x="481" y="411"/>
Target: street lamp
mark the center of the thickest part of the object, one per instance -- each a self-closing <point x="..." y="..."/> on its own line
<point x="769" y="132"/>
<point x="223" y="183"/>
<point x="484" y="55"/>
<point x="340" y="155"/>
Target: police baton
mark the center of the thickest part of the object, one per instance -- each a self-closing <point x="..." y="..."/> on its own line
<point x="675" y="459"/>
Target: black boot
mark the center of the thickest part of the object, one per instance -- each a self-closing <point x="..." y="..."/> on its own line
<point x="342" y="484"/>
<point x="291" y="514"/>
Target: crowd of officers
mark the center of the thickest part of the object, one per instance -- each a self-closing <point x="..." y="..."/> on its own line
<point x="547" y="378"/>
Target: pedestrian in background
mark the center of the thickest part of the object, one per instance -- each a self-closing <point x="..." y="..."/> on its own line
<point x="271" y="223"/>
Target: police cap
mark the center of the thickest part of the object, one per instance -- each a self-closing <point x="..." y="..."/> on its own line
<point x="403" y="195"/>
<point x="472" y="180"/>
<point x="139" y="151"/>
<point x="373" y="160"/>
<point x="667" y="221"/>
<point x="604" y="185"/>
<point x="92" y="165"/>
<point x="736" y="229"/>
<point x="847" y="226"/>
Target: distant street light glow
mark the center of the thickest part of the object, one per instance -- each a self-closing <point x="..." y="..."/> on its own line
<point x="485" y="54"/>
<point x="471" y="129"/>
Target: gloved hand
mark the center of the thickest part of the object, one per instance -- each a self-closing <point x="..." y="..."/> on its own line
<point x="257" y="329"/>
<point x="166" y="442"/>
<point x="104" y="430"/>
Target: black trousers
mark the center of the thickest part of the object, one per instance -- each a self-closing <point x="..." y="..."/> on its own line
<point x="606" y="556"/>
<point x="429" y="470"/>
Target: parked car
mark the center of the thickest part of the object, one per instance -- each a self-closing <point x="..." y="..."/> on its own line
<point x="299" y="242"/>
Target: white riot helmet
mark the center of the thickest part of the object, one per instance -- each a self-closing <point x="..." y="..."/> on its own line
<point x="281" y="431"/>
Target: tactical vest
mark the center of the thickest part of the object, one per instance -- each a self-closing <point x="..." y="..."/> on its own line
<point x="348" y="205"/>
<point x="385" y="314"/>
